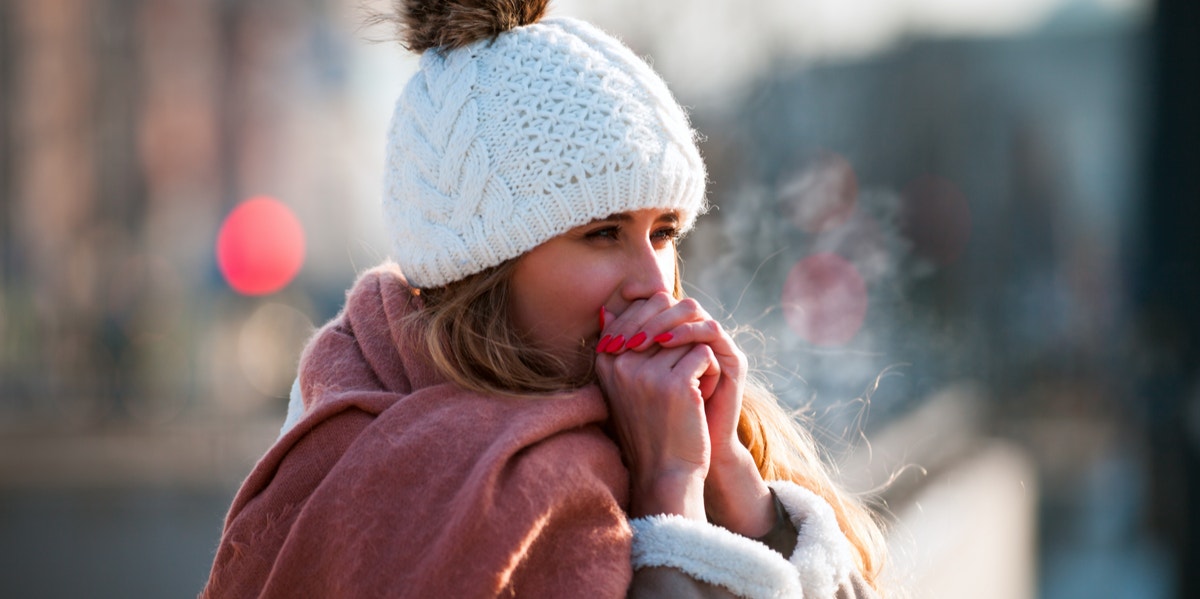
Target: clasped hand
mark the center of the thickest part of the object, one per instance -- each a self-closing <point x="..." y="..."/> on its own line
<point x="673" y="379"/>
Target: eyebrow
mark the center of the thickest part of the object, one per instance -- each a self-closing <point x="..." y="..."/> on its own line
<point x="623" y="217"/>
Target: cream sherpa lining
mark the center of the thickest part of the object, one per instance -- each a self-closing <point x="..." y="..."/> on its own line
<point x="820" y="564"/>
<point x="714" y="555"/>
<point x="823" y="556"/>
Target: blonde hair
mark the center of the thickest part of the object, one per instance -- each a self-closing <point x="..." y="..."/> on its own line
<point x="471" y="340"/>
<point x="783" y="449"/>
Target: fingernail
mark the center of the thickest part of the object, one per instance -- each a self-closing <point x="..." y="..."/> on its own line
<point x="636" y="340"/>
<point x="615" y="345"/>
<point x="663" y="338"/>
<point x="603" y="317"/>
<point x="602" y="344"/>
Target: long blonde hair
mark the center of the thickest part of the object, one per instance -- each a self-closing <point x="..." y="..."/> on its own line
<point x="471" y="341"/>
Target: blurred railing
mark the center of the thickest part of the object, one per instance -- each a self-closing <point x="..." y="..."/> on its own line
<point x="962" y="506"/>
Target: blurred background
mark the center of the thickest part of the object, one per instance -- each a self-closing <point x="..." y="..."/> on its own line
<point x="960" y="229"/>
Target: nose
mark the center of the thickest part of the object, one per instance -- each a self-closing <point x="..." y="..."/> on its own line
<point x="647" y="271"/>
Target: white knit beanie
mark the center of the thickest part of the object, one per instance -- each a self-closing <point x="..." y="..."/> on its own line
<point x="502" y="143"/>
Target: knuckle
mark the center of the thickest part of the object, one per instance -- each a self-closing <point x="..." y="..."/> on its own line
<point x="629" y="309"/>
<point x="690" y="304"/>
<point x="660" y="301"/>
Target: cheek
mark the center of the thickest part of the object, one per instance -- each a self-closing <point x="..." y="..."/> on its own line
<point x="578" y="301"/>
<point x="557" y="306"/>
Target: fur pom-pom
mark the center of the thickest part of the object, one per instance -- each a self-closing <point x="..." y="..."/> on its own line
<point x="449" y="24"/>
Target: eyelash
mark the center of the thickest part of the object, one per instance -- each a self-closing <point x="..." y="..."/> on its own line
<point x="666" y="234"/>
<point x="669" y="233"/>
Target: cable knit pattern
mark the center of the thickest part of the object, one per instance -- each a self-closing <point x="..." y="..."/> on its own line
<point x="500" y="145"/>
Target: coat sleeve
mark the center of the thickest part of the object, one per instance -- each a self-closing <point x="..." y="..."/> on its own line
<point x="674" y="556"/>
<point x="669" y="583"/>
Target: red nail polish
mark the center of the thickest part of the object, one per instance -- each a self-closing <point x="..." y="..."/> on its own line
<point x="603" y="317"/>
<point x="663" y="338"/>
<point x="602" y="344"/>
<point x="636" y="340"/>
<point x="616" y="344"/>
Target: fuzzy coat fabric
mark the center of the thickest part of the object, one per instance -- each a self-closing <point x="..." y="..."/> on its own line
<point x="397" y="483"/>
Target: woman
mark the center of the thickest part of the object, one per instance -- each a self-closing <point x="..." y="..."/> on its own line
<point x="524" y="405"/>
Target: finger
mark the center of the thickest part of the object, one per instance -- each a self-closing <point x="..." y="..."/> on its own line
<point x="658" y="359"/>
<point x="711" y="377"/>
<point x="709" y="332"/>
<point x="729" y="356"/>
<point x="697" y="331"/>
<point x="624" y="366"/>
<point x="698" y="364"/>
<point x="608" y="326"/>
<point x="686" y="310"/>
<point x="656" y="363"/>
<point x="657" y="327"/>
<point x="625" y="330"/>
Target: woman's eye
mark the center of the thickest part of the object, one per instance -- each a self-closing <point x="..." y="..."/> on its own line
<point x="666" y="234"/>
<point x="605" y="233"/>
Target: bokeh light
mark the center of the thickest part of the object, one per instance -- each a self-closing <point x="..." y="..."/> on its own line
<point x="269" y="345"/>
<point x="821" y="194"/>
<point x="936" y="218"/>
<point x="260" y="246"/>
<point x="825" y="299"/>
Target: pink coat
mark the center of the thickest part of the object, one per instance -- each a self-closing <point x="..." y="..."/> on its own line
<point x="397" y="483"/>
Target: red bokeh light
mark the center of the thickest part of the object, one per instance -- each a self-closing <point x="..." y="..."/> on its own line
<point x="260" y="246"/>
<point x="825" y="299"/>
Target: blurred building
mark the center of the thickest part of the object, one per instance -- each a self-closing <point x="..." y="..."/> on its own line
<point x="132" y="380"/>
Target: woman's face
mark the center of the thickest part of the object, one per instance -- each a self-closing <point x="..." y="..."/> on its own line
<point x="558" y="287"/>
